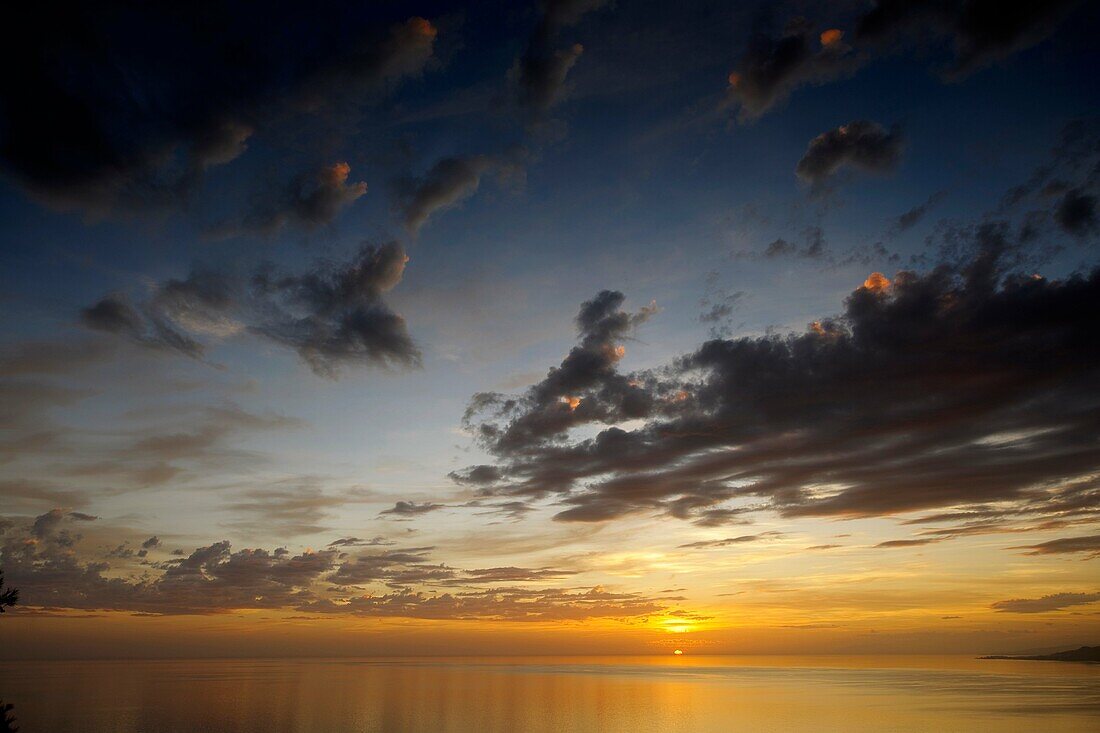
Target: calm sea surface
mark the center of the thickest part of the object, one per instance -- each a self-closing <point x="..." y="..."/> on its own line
<point x="604" y="694"/>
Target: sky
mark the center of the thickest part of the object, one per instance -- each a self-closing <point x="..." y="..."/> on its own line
<point x="576" y="326"/>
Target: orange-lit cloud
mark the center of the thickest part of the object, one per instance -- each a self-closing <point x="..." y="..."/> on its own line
<point x="876" y="282"/>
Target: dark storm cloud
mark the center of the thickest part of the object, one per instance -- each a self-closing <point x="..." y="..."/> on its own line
<point x="450" y="182"/>
<point x="310" y="200"/>
<point x="540" y="72"/>
<point x="772" y="68"/>
<point x="407" y="509"/>
<point x="124" y="106"/>
<point x="982" y="31"/>
<point x="970" y="383"/>
<point x="332" y="316"/>
<point x="864" y="145"/>
<point x="1053" y="602"/>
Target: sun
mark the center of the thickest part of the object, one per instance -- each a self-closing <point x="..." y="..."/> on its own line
<point x="678" y="652"/>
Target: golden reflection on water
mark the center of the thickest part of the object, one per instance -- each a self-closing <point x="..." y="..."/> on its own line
<point x="671" y="693"/>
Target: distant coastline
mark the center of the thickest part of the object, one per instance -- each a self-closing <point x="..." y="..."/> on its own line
<point x="1082" y="654"/>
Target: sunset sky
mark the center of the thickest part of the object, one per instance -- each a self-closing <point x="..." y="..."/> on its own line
<point x="588" y="326"/>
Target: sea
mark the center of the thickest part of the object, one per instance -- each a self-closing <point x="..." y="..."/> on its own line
<point x="606" y="694"/>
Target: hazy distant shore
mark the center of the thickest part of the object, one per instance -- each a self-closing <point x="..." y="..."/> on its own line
<point x="1082" y="654"/>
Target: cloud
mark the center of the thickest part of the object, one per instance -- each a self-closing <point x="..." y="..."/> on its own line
<point x="540" y="72"/>
<point x="971" y="382"/>
<point x="51" y="572"/>
<point x="504" y="604"/>
<point x="397" y="568"/>
<point x="909" y="543"/>
<point x="1065" y="545"/>
<point x="910" y="218"/>
<point x="406" y="509"/>
<point x="551" y="407"/>
<point x="513" y="510"/>
<point x="1076" y="213"/>
<point x="102" y="121"/>
<point x="1053" y="602"/>
<point x="310" y="200"/>
<point x="728" y="541"/>
<point x="864" y="145"/>
<point x="332" y="316"/>
<point x="772" y="68"/>
<point x="288" y="508"/>
<point x="193" y="439"/>
<point x="359" y="542"/>
<point x="514" y="575"/>
<point x="982" y="33"/>
<point x="41" y="358"/>
<point x="450" y="182"/>
<point x="1060" y="195"/>
<point x="38" y="493"/>
<point x="45" y="524"/>
<point x="813" y="248"/>
<point x="211" y="579"/>
<point x="482" y="475"/>
<point x="115" y="314"/>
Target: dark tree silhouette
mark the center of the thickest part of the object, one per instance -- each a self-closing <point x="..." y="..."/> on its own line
<point x="7" y="720"/>
<point x="9" y="596"/>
